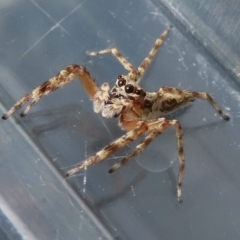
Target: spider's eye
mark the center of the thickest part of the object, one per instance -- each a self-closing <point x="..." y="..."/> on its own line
<point x="129" y="88"/>
<point x="138" y="91"/>
<point x="121" y="82"/>
<point x="119" y="77"/>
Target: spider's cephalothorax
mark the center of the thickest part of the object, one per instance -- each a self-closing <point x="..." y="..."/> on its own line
<point x="139" y="111"/>
<point x="125" y="96"/>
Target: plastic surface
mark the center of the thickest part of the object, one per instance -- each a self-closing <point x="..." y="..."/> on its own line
<point x="37" y="40"/>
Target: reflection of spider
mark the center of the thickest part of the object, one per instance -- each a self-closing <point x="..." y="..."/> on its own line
<point x="138" y="110"/>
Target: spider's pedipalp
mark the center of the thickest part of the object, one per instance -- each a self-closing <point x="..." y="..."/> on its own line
<point x="100" y="98"/>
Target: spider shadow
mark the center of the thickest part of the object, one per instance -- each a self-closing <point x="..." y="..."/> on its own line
<point x="126" y="189"/>
<point x="74" y="121"/>
<point x="223" y="168"/>
<point x="122" y="191"/>
<point x="75" y="115"/>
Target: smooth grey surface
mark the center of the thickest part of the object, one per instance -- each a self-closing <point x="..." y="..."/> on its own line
<point x="37" y="40"/>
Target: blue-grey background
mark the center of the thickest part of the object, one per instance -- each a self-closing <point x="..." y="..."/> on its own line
<point x="37" y="39"/>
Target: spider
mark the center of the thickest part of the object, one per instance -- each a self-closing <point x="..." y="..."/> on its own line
<point x="139" y="112"/>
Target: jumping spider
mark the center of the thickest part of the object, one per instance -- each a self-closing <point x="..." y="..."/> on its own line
<point x="138" y="111"/>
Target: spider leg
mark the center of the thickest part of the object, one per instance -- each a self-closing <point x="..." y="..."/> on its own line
<point x="146" y="62"/>
<point x="139" y="148"/>
<point x="127" y="65"/>
<point x="66" y="76"/>
<point x="111" y="148"/>
<point x="158" y="127"/>
<point x="207" y="97"/>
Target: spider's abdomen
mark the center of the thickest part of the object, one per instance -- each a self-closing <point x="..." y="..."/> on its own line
<point x="173" y="98"/>
<point x="165" y="101"/>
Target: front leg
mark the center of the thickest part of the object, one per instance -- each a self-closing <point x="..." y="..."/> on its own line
<point x="147" y="61"/>
<point x="66" y="76"/>
<point x="133" y="74"/>
<point x="126" y="64"/>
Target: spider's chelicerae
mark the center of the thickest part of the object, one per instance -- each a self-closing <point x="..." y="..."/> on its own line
<point x="138" y="111"/>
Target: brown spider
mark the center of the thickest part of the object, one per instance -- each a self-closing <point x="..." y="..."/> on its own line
<point x="137" y="110"/>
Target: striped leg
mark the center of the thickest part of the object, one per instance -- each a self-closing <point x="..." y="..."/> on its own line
<point x="207" y="97"/>
<point x="160" y="125"/>
<point x="127" y="65"/>
<point x="111" y="148"/>
<point x="146" y="62"/>
<point x="181" y="158"/>
<point x="66" y="76"/>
